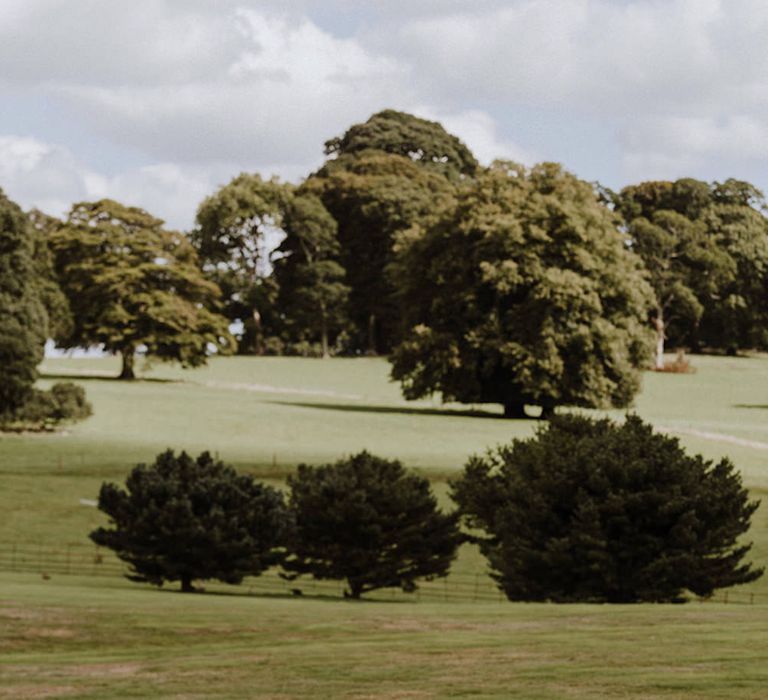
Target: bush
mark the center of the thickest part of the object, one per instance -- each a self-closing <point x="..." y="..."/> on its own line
<point x="369" y="522"/>
<point x="588" y="510"/>
<point x="46" y="410"/>
<point x="182" y="519"/>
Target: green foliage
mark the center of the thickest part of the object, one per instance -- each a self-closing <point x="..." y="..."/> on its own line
<point x="65" y="402"/>
<point x="23" y="321"/>
<point x="524" y="293"/>
<point x="706" y="249"/>
<point x="588" y="510"/>
<point x="60" y="322"/>
<point x="366" y="520"/>
<point x="130" y="283"/>
<point x="374" y="197"/>
<point x="230" y="234"/>
<point x="184" y="519"/>
<point x="422" y="141"/>
<point x="312" y="292"/>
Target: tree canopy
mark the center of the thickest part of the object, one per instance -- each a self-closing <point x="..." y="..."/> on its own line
<point x="132" y="283"/>
<point x="184" y="519"/>
<point x="591" y="511"/>
<point x="373" y="197"/>
<point x="312" y="293"/>
<point x="231" y="239"/>
<point x="367" y="521"/>
<point x="420" y="140"/>
<point x="23" y="320"/>
<point x="524" y="293"/>
<point x="706" y="249"/>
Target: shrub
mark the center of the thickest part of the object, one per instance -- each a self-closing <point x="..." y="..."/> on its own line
<point x="367" y="521"/>
<point x="182" y="519"/>
<point x="46" y="410"/>
<point x="588" y="510"/>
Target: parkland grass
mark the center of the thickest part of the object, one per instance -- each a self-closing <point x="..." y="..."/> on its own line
<point x="95" y="635"/>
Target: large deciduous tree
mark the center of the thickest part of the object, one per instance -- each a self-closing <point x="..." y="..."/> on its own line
<point x="706" y="249"/>
<point x="132" y="283"/>
<point x="184" y="519"/>
<point x="374" y="196"/>
<point x="367" y="521"/>
<point x="524" y="293"/>
<point x="23" y="320"/>
<point x="232" y="237"/>
<point x="591" y="511"/>
<point x="312" y="293"/>
<point x="420" y="140"/>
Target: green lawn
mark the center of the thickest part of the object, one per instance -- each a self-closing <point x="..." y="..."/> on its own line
<point x="77" y="638"/>
<point x="100" y="636"/>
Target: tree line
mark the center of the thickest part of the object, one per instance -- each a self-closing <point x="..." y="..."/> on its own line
<point x="586" y="510"/>
<point x="501" y="284"/>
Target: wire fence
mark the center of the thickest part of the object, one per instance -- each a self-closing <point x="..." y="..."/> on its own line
<point x="50" y="560"/>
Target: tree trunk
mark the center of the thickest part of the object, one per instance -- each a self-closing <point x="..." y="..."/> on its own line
<point x="660" y="340"/>
<point x="324" y="333"/>
<point x="186" y="584"/>
<point x="355" y="590"/>
<point x="127" y="370"/>
<point x="547" y="412"/>
<point x="514" y="409"/>
<point x="372" y="335"/>
<point x="257" y="349"/>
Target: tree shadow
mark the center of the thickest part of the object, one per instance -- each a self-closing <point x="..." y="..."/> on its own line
<point x="400" y="410"/>
<point x="762" y="406"/>
<point x="85" y="377"/>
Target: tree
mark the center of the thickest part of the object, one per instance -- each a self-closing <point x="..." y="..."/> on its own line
<point x="231" y="237"/>
<point x="310" y="280"/>
<point x="588" y="510"/>
<point x="422" y="141"/>
<point x="685" y="267"/>
<point x="132" y="283"/>
<point x="524" y="293"/>
<point x="55" y="301"/>
<point x="367" y="521"/>
<point x="706" y="249"/>
<point x="184" y="519"/>
<point x="23" y="321"/>
<point x="374" y="196"/>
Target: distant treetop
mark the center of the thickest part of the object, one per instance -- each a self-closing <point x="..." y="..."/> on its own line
<point x="403" y="134"/>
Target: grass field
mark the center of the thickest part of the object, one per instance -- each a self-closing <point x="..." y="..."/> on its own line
<point x="98" y="636"/>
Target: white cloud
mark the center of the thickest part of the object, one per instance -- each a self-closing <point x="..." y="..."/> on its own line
<point x="277" y="101"/>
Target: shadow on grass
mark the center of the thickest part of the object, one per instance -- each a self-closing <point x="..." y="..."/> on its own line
<point x="401" y="410"/>
<point x="760" y="406"/>
<point x="249" y="592"/>
<point x="84" y="376"/>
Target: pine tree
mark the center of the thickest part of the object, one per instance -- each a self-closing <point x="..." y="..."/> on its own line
<point x="367" y="521"/>
<point x="184" y="519"/>
<point x="588" y="510"/>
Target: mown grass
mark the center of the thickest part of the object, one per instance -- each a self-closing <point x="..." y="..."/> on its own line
<point x="81" y="640"/>
<point x="100" y="637"/>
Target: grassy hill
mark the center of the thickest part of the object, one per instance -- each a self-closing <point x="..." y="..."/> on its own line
<point x="96" y="635"/>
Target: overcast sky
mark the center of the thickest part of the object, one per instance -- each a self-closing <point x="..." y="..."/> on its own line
<point x="158" y="102"/>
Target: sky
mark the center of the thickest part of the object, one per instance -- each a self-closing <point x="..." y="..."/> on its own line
<point x="157" y="103"/>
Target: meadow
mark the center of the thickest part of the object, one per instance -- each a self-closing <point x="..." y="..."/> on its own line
<point x="71" y="626"/>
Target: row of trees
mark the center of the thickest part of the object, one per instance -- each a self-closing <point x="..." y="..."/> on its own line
<point x="502" y="284"/>
<point x="364" y="520"/>
<point x="587" y="510"/>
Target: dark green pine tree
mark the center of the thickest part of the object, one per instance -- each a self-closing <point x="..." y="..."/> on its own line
<point x="588" y="510"/>
<point x="23" y="321"/>
<point x="367" y="521"/>
<point x="184" y="519"/>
